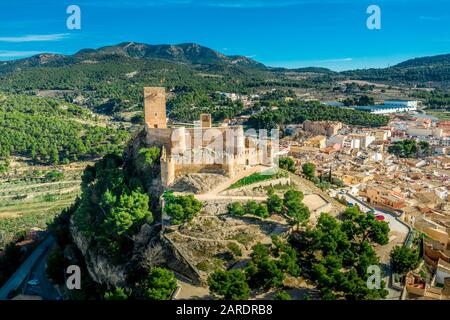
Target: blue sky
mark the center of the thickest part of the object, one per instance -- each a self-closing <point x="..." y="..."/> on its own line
<point x="288" y="33"/>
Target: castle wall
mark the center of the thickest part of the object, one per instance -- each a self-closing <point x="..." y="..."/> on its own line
<point x="224" y="137"/>
<point x="159" y="137"/>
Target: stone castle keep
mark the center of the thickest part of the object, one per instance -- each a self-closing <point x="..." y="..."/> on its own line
<point x="202" y="148"/>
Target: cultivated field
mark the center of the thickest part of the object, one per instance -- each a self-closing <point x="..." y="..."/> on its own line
<point x="30" y="196"/>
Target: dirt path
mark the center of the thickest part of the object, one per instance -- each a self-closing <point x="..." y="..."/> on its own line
<point x="202" y="239"/>
<point x="212" y="197"/>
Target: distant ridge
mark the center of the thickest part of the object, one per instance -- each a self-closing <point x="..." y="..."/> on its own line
<point x="425" y="61"/>
<point x="189" y="53"/>
<point x="429" y="70"/>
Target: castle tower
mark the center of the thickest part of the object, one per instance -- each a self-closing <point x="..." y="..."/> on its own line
<point x="155" y="107"/>
<point x="205" y="120"/>
<point x="167" y="168"/>
<point x="229" y="164"/>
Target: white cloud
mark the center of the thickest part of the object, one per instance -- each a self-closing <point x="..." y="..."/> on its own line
<point x="337" y="60"/>
<point x="18" y="54"/>
<point x="36" y="38"/>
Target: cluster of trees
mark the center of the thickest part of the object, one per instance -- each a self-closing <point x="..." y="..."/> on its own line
<point x="421" y="72"/>
<point x="291" y="206"/>
<point x="323" y="181"/>
<point x="404" y="259"/>
<point x="287" y="164"/>
<point x="111" y="209"/>
<point x="354" y="87"/>
<point x="410" y="149"/>
<point x="159" y="284"/>
<point x="435" y="99"/>
<point x="117" y="221"/>
<point x="338" y="254"/>
<point x="50" y="131"/>
<point x="146" y="160"/>
<point x="266" y="270"/>
<point x="114" y="84"/>
<point x="359" y="101"/>
<point x="251" y="207"/>
<point x="181" y="209"/>
<point x="188" y="106"/>
<point x="309" y="170"/>
<point x="298" y="112"/>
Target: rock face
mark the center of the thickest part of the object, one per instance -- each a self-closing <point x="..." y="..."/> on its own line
<point x="98" y="265"/>
<point x="198" y="182"/>
<point x="103" y="271"/>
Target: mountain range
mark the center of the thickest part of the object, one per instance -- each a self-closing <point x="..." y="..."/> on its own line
<point x="194" y="54"/>
<point x="188" y="53"/>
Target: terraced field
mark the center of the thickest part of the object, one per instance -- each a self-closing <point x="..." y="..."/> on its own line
<point x="32" y="196"/>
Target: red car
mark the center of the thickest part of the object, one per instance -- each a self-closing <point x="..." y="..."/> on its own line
<point x="380" y="217"/>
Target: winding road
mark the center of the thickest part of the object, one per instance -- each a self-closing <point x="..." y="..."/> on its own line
<point x="33" y="266"/>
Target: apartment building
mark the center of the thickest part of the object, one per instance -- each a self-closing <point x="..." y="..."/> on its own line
<point x="327" y="128"/>
<point x="316" y="142"/>
<point x="380" y="196"/>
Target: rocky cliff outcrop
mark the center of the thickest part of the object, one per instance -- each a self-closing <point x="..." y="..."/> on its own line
<point x="98" y="263"/>
<point x="148" y="244"/>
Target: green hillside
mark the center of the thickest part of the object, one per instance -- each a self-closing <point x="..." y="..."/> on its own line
<point x="51" y="131"/>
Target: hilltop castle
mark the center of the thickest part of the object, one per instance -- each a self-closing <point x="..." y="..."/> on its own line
<point x="201" y="148"/>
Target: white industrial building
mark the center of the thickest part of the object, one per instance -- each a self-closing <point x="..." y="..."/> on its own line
<point x="391" y="106"/>
<point x="404" y="103"/>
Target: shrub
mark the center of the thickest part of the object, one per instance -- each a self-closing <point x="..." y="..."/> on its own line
<point x="235" y="249"/>
<point x="404" y="259"/>
<point x="117" y="294"/>
<point x="287" y="164"/>
<point x="182" y="208"/>
<point x="251" y="207"/>
<point x="229" y="285"/>
<point x="159" y="284"/>
<point x="309" y="170"/>
<point x="282" y="295"/>
<point x="275" y="204"/>
<point x="236" y="208"/>
<point x="262" y="211"/>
